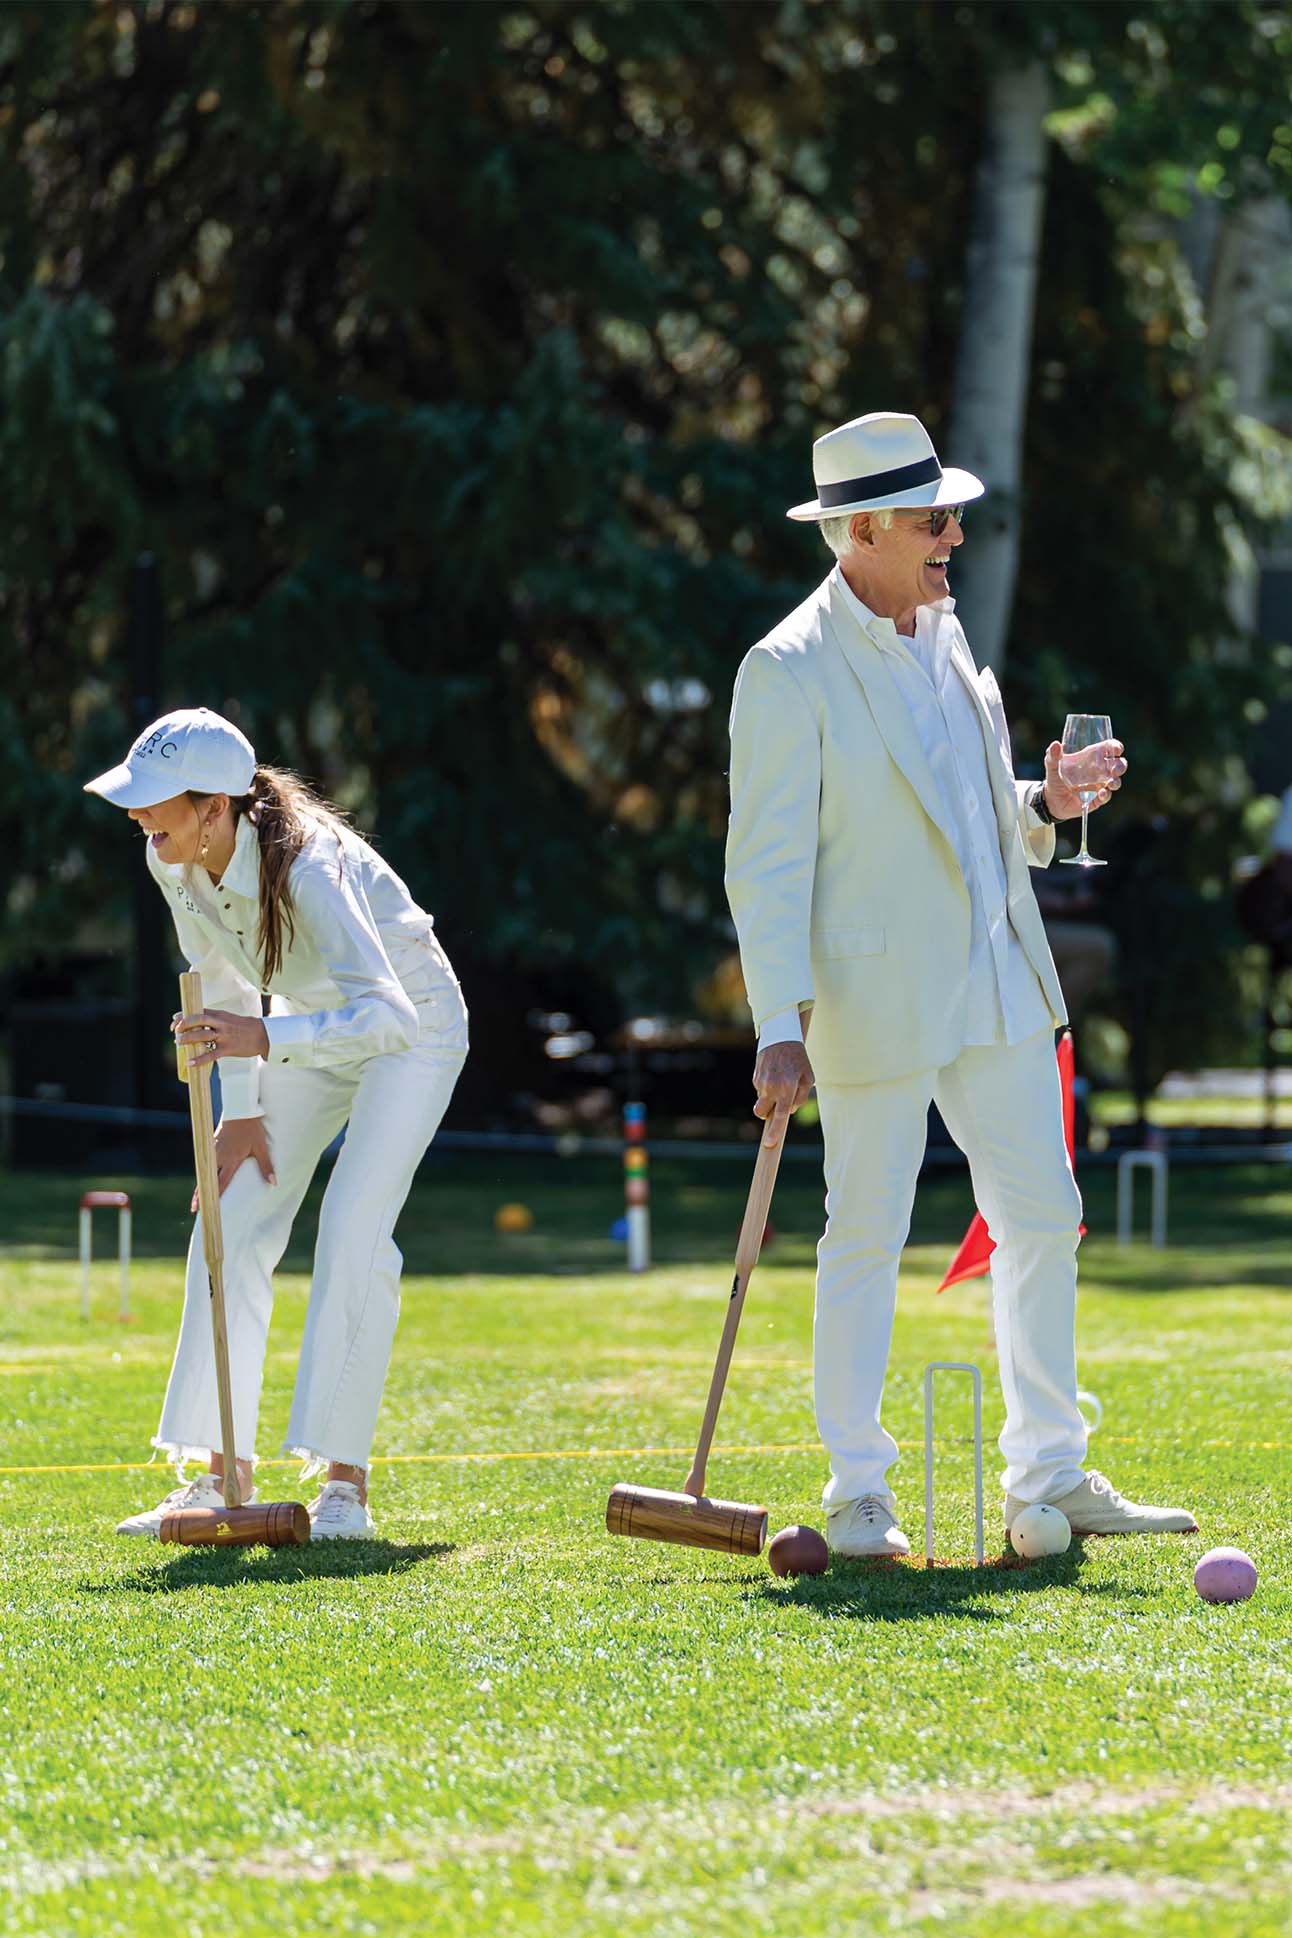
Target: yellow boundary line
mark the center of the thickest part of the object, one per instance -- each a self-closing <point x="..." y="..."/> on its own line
<point x="449" y="1459"/>
<point x="602" y="1453"/>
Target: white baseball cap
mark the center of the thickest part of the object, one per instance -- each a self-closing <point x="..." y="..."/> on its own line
<point x="192" y="749"/>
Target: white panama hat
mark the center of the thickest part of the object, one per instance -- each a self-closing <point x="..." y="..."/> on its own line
<point x="883" y="459"/>
<point x="192" y="749"/>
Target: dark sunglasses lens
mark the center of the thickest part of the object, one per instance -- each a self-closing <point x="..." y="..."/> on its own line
<point x="938" y="519"/>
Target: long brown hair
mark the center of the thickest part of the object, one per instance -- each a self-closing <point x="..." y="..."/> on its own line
<point x="284" y="810"/>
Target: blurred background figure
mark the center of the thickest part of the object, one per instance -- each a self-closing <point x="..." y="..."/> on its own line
<point x="1265" y="899"/>
<point x="1084" y="947"/>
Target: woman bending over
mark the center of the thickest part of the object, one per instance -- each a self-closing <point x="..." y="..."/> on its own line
<point x="272" y="894"/>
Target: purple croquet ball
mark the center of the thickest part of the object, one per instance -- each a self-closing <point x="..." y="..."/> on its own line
<point x="1225" y="1575"/>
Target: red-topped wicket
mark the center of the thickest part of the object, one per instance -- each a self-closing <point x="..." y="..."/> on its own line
<point x="118" y="1201"/>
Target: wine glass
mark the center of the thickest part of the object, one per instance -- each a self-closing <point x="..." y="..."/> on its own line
<point x="1082" y="735"/>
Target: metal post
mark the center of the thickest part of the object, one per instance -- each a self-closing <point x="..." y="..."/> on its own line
<point x="953" y="1366"/>
<point x="86" y="1217"/>
<point x="123" y="1259"/>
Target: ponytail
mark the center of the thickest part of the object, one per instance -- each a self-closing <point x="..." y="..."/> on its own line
<point x="284" y="811"/>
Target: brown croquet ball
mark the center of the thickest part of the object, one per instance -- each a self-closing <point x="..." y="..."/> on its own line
<point x="798" y="1551"/>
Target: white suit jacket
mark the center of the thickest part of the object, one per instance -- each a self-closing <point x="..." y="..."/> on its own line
<point x="841" y="874"/>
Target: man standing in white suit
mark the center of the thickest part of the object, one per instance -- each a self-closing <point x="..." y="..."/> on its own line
<point x="878" y="872"/>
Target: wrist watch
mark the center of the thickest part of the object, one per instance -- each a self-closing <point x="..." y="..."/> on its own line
<point x="1039" y="805"/>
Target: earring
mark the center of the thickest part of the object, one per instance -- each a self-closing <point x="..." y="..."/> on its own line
<point x="206" y="842"/>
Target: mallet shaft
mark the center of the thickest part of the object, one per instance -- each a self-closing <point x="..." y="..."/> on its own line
<point x="747" y="1250"/>
<point x="206" y="1166"/>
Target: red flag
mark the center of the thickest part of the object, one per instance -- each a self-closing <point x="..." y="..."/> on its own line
<point x="977" y="1246"/>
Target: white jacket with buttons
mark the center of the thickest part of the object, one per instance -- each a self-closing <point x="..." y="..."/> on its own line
<point x="842" y="874"/>
<point x="362" y="972"/>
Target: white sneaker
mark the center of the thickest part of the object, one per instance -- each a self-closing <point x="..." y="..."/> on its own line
<point x="1095" y="1507"/>
<point x="337" y="1514"/>
<point x="205" y="1491"/>
<point x="865" y="1528"/>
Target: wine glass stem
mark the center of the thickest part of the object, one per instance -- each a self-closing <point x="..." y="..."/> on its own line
<point x="1085" y="815"/>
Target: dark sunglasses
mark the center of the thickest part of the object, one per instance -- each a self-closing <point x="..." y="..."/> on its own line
<point x="938" y="518"/>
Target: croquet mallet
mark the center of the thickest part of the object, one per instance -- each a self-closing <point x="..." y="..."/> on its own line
<point x="691" y="1518"/>
<point x="269" y="1524"/>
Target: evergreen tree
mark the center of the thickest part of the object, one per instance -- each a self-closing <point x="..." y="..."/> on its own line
<point x="457" y="362"/>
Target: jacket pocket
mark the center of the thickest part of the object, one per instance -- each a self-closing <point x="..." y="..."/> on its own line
<point x="830" y="943"/>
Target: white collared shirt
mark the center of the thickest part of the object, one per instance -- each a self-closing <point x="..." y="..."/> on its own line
<point x="359" y="966"/>
<point x="1005" y="1000"/>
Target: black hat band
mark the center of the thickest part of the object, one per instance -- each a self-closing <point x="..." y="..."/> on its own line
<point x="880" y="483"/>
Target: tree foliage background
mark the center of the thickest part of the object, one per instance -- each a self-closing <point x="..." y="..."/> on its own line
<point x="457" y="362"/>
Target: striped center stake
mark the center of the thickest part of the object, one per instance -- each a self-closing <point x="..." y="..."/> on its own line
<point x="636" y="1187"/>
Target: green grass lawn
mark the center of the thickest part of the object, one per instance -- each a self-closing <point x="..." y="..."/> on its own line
<point x="497" y="1719"/>
<point x="1112" y="1108"/>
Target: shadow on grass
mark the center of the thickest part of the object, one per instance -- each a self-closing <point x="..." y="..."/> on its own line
<point x="1180" y="1273"/>
<point x="230" y="1567"/>
<point x="900" y="1591"/>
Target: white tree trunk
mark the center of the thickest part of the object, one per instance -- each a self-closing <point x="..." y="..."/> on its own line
<point x="987" y="419"/>
<point x="1246" y="272"/>
<point x="1248" y="268"/>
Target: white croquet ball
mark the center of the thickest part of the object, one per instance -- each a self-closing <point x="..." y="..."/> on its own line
<point x="1039" y="1530"/>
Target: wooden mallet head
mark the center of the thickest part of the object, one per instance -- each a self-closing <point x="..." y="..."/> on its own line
<point x="693" y="1520"/>
<point x="267" y="1524"/>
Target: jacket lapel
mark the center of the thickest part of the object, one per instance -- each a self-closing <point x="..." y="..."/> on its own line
<point x="1004" y="793"/>
<point x="891" y="714"/>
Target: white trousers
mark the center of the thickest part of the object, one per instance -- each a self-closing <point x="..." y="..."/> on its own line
<point x="1003" y="1107"/>
<point x="393" y="1105"/>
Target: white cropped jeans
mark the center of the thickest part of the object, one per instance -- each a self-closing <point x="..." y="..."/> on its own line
<point x="392" y="1106"/>
<point x="1003" y="1107"/>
